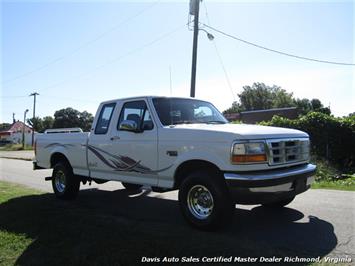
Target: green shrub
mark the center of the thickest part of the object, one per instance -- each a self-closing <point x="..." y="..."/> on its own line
<point x="331" y="138"/>
<point x="325" y="170"/>
<point x="237" y="122"/>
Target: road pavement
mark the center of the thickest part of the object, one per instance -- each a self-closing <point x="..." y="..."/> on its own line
<point x="23" y="155"/>
<point x="320" y="221"/>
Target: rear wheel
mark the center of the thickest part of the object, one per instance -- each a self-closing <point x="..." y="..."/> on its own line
<point x="130" y="186"/>
<point x="204" y="201"/>
<point x="65" y="184"/>
<point x="280" y="203"/>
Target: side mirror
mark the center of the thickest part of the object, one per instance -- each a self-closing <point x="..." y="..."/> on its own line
<point x="129" y="125"/>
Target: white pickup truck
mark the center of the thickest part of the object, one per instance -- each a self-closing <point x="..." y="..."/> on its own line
<point x="184" y="144"/>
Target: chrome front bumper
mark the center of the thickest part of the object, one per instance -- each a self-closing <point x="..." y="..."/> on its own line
<point x="270" y="185"/>
<point x="273" y="175"/>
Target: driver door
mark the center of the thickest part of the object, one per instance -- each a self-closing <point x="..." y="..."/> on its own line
<point x="135" y="151"/>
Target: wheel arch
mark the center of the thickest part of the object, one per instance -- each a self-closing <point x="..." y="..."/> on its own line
<point x="189" y="166"/>
<point x="58" y="157"/>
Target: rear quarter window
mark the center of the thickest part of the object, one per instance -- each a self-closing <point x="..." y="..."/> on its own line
<point x="103" y="122"/>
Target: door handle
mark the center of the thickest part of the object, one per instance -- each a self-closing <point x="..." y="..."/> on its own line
<point x="114" y="138"/>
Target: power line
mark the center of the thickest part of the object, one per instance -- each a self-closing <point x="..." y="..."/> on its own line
<point x="114" y="60"/>
<point x="53" y="97"/>
<point x="276" y="51"/>
<point x="13" y="96"/>
<point x="76" y="50"/>
<point x="220" y="57"/>
<point x="68" y="99"/>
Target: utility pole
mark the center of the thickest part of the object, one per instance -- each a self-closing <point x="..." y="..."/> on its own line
<point x="194" y="10"/>
<point x="34" y="94"/>
<point x="23" y="128"/>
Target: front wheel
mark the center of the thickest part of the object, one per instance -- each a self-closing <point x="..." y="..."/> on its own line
<point x="280" y="203"/>
<point x="65" y="184"/>
<point x="204" y="201"/>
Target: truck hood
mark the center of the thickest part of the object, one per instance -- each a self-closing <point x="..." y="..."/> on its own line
<point x="245" y="131"/>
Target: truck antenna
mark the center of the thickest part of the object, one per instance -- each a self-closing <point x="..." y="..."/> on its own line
<point x="171" y="85"/>
<point x="171" y="94"/>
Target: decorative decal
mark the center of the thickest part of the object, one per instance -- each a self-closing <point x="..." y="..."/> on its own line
<point x="122" y="163"/>
<point x="59" y="144"/>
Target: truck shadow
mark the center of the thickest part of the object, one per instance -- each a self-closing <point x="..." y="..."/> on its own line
<point x="121" y="227"/>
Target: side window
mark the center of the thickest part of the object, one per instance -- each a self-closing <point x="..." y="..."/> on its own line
<point x="138" y="112"/>
<point x="104" y="119"/>
<point x="147" y="121"/>
<point x="203" y="112"/>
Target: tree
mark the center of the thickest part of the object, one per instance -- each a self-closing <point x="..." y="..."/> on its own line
<point x="36" y="123"/>
<point x="317" y="106"/>
<point x="236" y="108"/>
<point x="86" y="120"/>
<point x="256" y="97"/>
<point x="5" y="126"/>
<point x="304" y="105"/>
<point x="67" y="117"/>
<point x="260" y="97"/>
<point x="282" y="98"/>
<point x="70" y="117"/>
<point x="47" y="122"/>
<point x="41" y="124"/>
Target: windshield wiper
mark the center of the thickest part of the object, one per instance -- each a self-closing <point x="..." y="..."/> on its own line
<point x="198" y="122"/>
<point x="185" y="122"/>
<point x="215" y="122"/>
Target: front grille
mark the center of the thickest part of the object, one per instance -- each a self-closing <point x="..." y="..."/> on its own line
<point x="286" y="151"/>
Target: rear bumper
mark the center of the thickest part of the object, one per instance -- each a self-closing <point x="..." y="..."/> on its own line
<point x="268" y="186"/>
<point x="35" y="166"/>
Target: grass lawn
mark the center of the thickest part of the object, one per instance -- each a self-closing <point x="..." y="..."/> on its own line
<point x="12" y="244"/>
<point x="347" y="184"/>
<point x="121" y="227"/>
<point x="329" y="176"/>
<point x="15" y="147"/>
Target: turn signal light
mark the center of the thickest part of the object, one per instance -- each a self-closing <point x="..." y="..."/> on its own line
<point x="249" y="158"/>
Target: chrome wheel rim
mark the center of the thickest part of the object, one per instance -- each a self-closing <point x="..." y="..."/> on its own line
<point x="200" y="202"/>
<point x="59" y="181"/>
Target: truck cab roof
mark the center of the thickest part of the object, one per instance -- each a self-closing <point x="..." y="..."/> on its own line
<point x="145" y="97"/>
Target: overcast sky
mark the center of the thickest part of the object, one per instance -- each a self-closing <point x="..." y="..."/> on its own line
<point x="76" y="54"/>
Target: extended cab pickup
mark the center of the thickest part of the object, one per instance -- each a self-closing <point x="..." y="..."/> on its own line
<point x="184" y="144"/>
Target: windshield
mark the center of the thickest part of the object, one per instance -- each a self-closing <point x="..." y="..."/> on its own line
<point x="173" y="111"/>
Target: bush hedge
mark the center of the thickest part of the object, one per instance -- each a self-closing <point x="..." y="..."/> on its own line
<point x="332" y="138"/>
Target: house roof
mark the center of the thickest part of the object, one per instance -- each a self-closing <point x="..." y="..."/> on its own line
<point x="269" y="110"/>
<point x="255" y="116"/>
<point x="16" y="127"/>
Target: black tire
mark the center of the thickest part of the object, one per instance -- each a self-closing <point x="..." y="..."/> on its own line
<point x="280" y="203"/>
<point x="65" y="184"/>
<point x="130" y="186"/>
<point x="197" y="192"/>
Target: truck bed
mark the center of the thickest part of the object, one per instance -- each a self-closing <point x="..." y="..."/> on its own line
<point x="71" y="144"/>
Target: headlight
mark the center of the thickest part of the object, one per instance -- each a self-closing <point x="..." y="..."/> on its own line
<point x="248" y="153"/>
